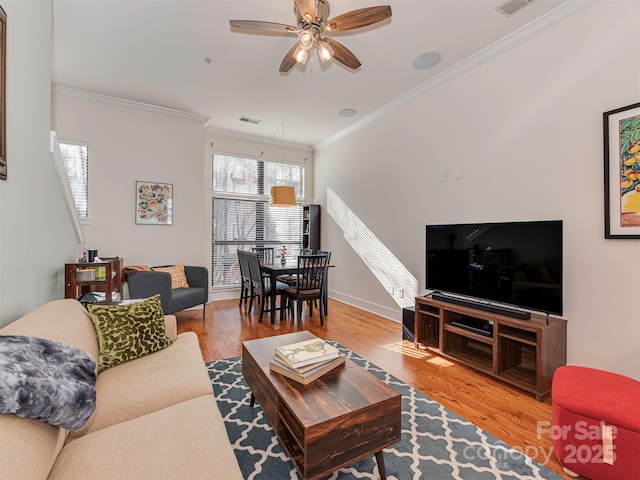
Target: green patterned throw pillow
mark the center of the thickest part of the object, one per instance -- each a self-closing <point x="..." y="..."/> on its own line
<point x="127" y="332"/>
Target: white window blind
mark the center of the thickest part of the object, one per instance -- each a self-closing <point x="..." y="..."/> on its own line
<point x="242" y="217"/>
<point x="76" y="161"/>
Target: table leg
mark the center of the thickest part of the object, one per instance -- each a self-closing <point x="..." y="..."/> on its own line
<point x="381" y="469"/>
<point x="274" y="296"/>
<point x="253" y="401"/>
<point x="325" y="293"/>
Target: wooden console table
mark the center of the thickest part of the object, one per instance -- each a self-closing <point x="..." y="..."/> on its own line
<point x="111" y="282"/>
<point x="523" y="353"/>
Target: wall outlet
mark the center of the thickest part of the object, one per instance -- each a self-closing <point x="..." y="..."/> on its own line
<point x="401" y="295"/>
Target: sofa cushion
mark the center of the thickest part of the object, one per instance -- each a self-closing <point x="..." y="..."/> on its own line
<point x="129" y="331"/>
<point x="65" y="321"/>
<point x="45" y="380"/>
<point x="182" y="298"/>
<point x="178" y="277"/>
<point x="148" y="384"/>
<point x="28" y="448"/>
<point x="187" y="440"/>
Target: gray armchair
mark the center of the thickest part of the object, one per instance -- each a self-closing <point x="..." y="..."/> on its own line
<point x="146" y="284"/>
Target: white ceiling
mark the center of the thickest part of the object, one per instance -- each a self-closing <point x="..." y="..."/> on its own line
<point x="153" y="51"/>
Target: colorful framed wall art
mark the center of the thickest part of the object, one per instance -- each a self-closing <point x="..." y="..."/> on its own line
<point x="154" y="203"/>
<point x="622" y="172"/>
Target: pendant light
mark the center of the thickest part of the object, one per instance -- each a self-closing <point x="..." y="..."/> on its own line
<point x="283" y="195"/>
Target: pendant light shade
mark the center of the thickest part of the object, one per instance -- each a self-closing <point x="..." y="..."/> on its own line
<point x="283" y="196"/>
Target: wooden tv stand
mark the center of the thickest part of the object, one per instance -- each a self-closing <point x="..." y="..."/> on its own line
<point x="522" y="353"/>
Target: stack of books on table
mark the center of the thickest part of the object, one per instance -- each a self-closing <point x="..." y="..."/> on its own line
<point x="306" y="361"/>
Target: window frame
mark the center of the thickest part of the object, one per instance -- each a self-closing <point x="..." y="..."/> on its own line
<point x="261" y="198"/>
<point x="83" y="215"/>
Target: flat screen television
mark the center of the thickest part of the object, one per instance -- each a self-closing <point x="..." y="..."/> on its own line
<point x="513" y="263"/>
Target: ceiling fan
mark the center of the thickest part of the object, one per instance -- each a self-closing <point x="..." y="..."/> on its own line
<point x="313" y="24"/>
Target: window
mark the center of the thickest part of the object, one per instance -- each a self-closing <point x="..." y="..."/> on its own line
<point x="76" y="161"/>
<point x="242" y="217"/>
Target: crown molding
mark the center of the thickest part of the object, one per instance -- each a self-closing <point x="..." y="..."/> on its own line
<point x="529" y="31"/>
<point x="121" y="102"/>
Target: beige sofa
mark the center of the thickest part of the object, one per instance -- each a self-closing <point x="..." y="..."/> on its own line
<point x="155" y="417"/>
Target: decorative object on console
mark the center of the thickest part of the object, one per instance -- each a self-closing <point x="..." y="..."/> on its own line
<point x="127" y="332"/>
<point x="46" y="380"/>
<point x="154" y="203"/>
<point x="622" y="172"/>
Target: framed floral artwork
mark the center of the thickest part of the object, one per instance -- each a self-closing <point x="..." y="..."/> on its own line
<point x="622" y="172"/>
<point x="154" y="203"/>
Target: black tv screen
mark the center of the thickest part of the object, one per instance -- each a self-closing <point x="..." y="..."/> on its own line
<point x="515" y="263"/>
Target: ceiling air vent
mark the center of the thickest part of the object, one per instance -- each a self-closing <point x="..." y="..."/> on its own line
<point x="252" y="121"/>
<point x="513" y="6"/>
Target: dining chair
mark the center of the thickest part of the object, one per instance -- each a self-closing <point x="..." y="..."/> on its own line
<point x="311" y="274"/>
<point x="261" y="285"/>
<point x="306" y="251"/>
<point x="245" y="278"/>
<point x="265" y="254"/>
<point x="325" y="284"/>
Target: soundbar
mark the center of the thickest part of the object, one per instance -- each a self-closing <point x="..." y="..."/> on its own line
<point x="480" y="305"/>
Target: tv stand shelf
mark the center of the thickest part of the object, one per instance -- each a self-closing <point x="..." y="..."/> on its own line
<point x="522" y="353"/>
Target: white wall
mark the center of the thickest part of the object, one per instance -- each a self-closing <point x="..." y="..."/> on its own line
<point x="130" y="142"/>
<point x="36" y="235"/>
<point x="526" y="130"/>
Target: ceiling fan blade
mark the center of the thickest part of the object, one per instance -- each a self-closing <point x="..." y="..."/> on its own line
<point x="259" y="26"/>
<point x="358" y="18"/>
<point x="289" y="61"/>
<point x="343" y="55"/>
<point x="306" y="6"/>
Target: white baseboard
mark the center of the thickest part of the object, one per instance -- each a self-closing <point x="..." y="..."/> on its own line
<point x="381" y="310"/>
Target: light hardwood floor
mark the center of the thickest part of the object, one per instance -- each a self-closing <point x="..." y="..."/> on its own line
<point x="509" y="414"/>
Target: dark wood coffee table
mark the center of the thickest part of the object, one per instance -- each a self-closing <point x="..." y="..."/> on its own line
<point x="336" y="420"/>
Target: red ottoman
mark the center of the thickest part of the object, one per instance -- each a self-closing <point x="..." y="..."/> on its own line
<point x="596" y="423"/>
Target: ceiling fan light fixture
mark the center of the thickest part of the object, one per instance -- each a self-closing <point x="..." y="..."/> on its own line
<point x="313" y="20"/>
<point x="305" y="39"/>
<point x="325" y="51"/>
<point x="300" y="54"/>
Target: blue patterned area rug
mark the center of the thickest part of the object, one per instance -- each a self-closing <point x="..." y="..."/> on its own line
<point x="436" y="443"/>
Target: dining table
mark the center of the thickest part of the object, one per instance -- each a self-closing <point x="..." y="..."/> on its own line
<point x="274" y="270"/>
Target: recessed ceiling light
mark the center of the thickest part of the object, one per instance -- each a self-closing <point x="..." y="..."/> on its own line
<point x="426" y="61"/>
<point x="347" y="112"/>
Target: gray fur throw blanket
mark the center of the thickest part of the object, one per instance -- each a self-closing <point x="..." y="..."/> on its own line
<point x="50" y="381"/>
